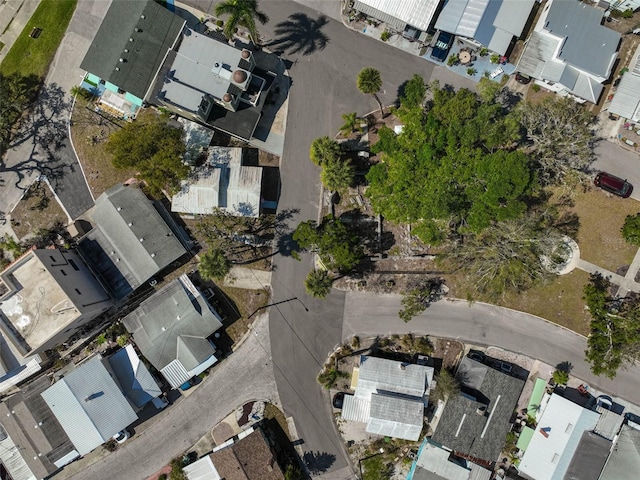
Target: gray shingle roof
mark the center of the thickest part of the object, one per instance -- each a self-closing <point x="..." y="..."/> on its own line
<point x="173" y="324"/>
<point x="588" y="45"/>
<point x="589" y="458"/>
<point x="624" y="461"/>
<point x="152" y="36"/>
<point x="470" y="426"/>
<point x="130" y="241"/>
<point x="89" y="405"/>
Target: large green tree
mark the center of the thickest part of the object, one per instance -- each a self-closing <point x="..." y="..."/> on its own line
<point x="16" y="93"/>
<point x="631" y="229"/>
<point x="154" y="149"/>
<point x="338" y="245"/>
<point x="318" y="283"/>
<point x="243" y="13"/>
<point x="614" y="340"/>
<point x="454" y="161"/>
<point x="417" y="299"/>
<point x="562" y="137"/>
<point x="369" y="82"/>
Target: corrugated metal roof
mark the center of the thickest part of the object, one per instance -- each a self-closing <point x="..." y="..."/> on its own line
<point x="478" y="472"/>
<point x="202" y="469"/>
<point x="538" y="50"/>
<point x="608" y="424"/>
<point x="89" y="405"/>
<point x="356" y="409"/>
<point x="556" y="438"/>
<point x="513" y="16"/>
<point x="500" y="41"/>
<point x="175" y="373"/>
<point x="461" y="17"/>
<point x="589" y="45"/>
<point x="378" y="374"/>
<point x="626" y="101"/>
<point x="134" y="378"/>
<point x="417" y="13"/>
<point x="12" y="460"/>
<point x="395" y="416"/>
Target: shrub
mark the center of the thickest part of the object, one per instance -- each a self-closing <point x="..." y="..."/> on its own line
<point x="471" y="71"/>
<point x="495" y="58"/>
<point x="535" y="87"/>
<point x="631" y="229"/>
<point x="329" y="376"/>
<point x="162" y="476"/>
<point x="484" y="52"/>
<point x="628" y="13"/>
<point x="386" y="35"/>
<point x="561" y="377"/>
<point x="452" y="60"/>
<point x="219" y="23"/>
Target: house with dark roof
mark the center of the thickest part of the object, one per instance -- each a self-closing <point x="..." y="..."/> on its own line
<point x="249" y="457"/>
<point x="48" y="294"/>
<point x="570" y="51"/>
<point x="33" y="444"/>
<point x="131" y="240"/>
<point x="128" y="49"/>
<point x="624" y="459"/>
<point x="172" y="329"/>
<point x="211" y="82"/>
<point x="390" y="397"/>
<point x="474" y="423"/>
<point x="494" y="24"/>
<point x="436" y="463"/>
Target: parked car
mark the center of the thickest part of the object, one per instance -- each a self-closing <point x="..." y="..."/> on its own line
<point x="522" y="78"/>
<point x="442" y="46"/>
<point x="477" y="356"/>
<point x="338" y="400"/>
<point x="506" y="367"/>
<point x="122" y="436"/>
<point x="190" y="383"/>
<point x="613" y="184"/>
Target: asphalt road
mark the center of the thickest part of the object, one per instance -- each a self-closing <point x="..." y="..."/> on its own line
<point x="42" y="146"/>
<point x="245" y="375"/>
<point x="482" y="324"/>
<point x="614" y="159"/>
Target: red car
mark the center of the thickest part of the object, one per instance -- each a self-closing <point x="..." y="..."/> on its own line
<point x="613" y="184"/>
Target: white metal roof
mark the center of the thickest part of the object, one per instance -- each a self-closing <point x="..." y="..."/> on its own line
<point x="378" y="374"/>
<point x="417" y="13"/>
<point x="89" y="405"/>
<point x="395" y="416"/>
<point x="556" y="438"/>
<point x="12" y="460"/>
<point x="626" y="101"/>
<point x="202" y="469"/>
<point x="356" y="409"/>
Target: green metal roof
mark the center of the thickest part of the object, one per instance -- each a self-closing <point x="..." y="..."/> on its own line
<point x="525" y="437"/>
<point x="536" y="397"/>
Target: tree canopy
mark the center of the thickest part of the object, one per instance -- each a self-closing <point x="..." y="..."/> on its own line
<point x="631" y="229"/>
<point x="369" y="82"/>
<point x="453" y="161"/>
<point x="324" y="149"/>
<point x="318" y="283"/>
<point x="337" y="174"/>
<point x="242" y="13"/>
<point x="338" y="246"/>
<point x="561" y="133"/>
<point x="614" y="340"/>
<point x="155" y="150"/>
<point x="214" y="264"/>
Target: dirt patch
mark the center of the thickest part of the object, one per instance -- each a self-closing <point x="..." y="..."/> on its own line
<point x="243" y="303"/>
<point x="37" y="210"/>
<point x="89" y="133"/>
<point x="266" y="159"/>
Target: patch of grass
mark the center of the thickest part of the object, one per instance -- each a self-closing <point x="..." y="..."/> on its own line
<point x="376" y="468"/>
<point x="599" y="237"/>
<point x="89" y="132"/>
<point x="247" y="302"/>
<point x="273" y="412"/>
<point x="29" y="56"/>
<point x="1" y="45"/>
<point x="37" y="210"/>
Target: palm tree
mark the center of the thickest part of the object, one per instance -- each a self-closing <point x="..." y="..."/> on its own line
<point x="324" y="149"/>
<point x="241" y="13"/>
<point x="214" y="264"/>
<point x="337" y="174"/>
<point x="369" y="82"/>
<point x="351" y="123"/>
<point x="318" y="283"/>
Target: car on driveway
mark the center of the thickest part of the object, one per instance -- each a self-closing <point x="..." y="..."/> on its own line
<point x="477" y="356"/>
<point x="338" y="400"/>
<point x="122" y="436"/>
<point x="613" y="184"/>
<point x="522" y="78"/>
<point x="442" y="46"/>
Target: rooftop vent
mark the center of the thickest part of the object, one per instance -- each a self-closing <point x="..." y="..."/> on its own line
<point x="239" y="76"/>
<point x="126" y="50"/>
<point x="121" y="60"/>
<point x="142" y="239"/>
<point x="131" y="39"/>
<point x="137" y="29"/>
<point x="403" y="366"/>
<point x="153" y="255"/>
<point x="142" y="17"/>
<point x="217" y="65"/>
<point x="246" y="54"/>
<point x="119" y="208"/>
<point x="226" y="98"/>
<point x="131" y="224"/>
<point x="481" y="411"/>
<point x="164" y="329"/>
<point x="117" y="69"/>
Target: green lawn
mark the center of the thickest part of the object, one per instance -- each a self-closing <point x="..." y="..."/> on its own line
<point x="29" y="56"/>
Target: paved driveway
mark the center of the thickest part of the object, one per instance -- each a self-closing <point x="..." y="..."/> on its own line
<point x="244" y="376"/>
<point x="43" y="147"/>
<point x="614" y="159"/>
